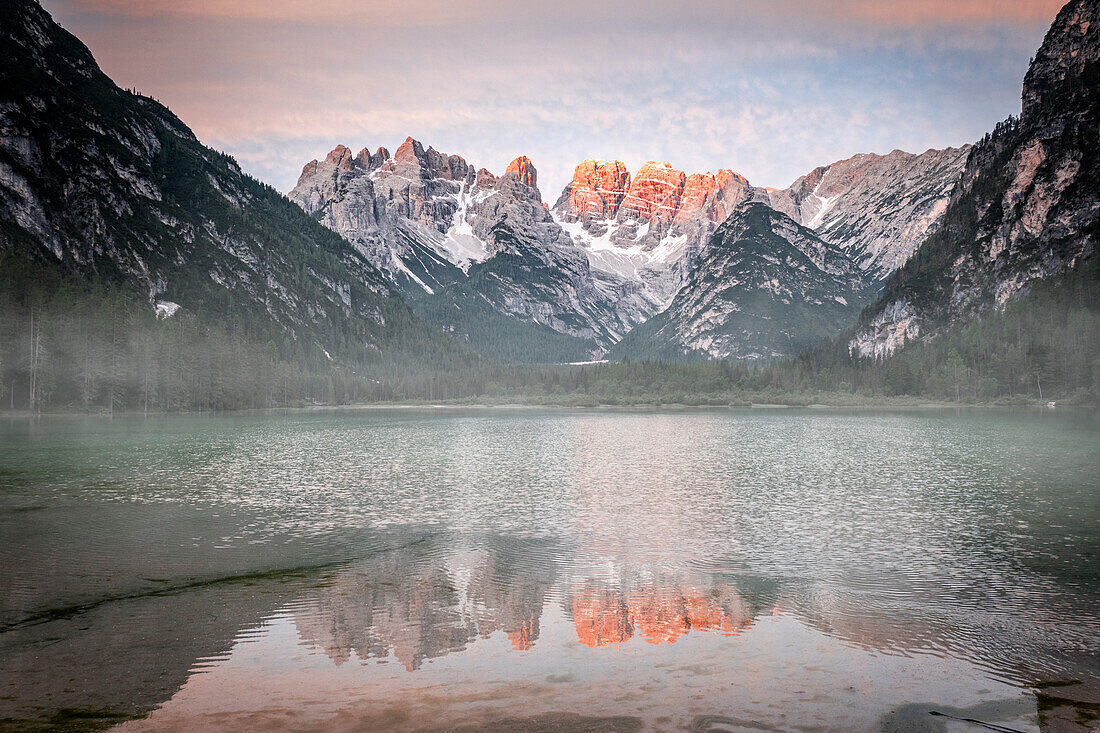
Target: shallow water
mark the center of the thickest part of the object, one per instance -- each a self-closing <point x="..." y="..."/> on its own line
<point x="547" y="570"/>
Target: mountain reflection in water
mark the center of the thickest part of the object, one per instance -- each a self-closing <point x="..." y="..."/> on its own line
<point x="499" y="570"/>
<point x="439" y="594"/>
<point x="486" y="600"/>
<point x="413" y="610"/>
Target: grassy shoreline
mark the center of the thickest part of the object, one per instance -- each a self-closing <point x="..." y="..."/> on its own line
<point x="868" y="404"/>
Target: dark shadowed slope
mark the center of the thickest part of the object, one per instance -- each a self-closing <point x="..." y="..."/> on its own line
<point x="106" y="184"/>
<point x="764" y="287"/>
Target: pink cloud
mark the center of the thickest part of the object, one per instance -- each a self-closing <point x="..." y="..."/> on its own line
<point x="414" y="13"/>
<point x="770" y="89"/>
<point x="378" y="13"/>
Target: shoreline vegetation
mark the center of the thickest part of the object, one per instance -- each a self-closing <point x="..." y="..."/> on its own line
<point x="869" y="405"/>
<point x="88" y="348"/>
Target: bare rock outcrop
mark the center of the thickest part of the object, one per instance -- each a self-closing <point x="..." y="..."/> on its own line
<point x="447" y="232"/>
<point x="648" y="228"/>
<point x="878" y="208"/>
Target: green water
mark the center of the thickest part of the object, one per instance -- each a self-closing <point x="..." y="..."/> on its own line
<point x="547" y="570"/>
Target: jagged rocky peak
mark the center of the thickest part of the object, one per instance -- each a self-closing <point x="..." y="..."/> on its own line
<point x="411" y="160"/>
<point x="375" y="159"/>
<point x="1026" y="204"/>
<point x="648" y="227"/>
<point x="1063" y="74"/>
<point x="485" y="179"/>
<point x="711" y="193"/>
<point x="597" y="188"/>
<point x="525" y="171"/>
<point x="422" y="168"/>
<point x="655" y="192"/>
<point x="340" y="157"/>
<point x="879" y="208"/>
<point x="421" y="200"/>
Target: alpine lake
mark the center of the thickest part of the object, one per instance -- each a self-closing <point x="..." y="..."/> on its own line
<point x="542" y="570"/>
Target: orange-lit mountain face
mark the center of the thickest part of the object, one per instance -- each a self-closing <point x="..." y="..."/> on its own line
<point x="648" y="227"/>
<point x="525" y="171"/>
<point x="657" y="193"/>
<point x="598" y="187"/>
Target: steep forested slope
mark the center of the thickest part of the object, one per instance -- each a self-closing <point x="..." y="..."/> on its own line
<point x="1027" y="207"/>
<point x="108" y="185"/>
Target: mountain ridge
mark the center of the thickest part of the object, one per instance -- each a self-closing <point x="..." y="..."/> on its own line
<point x="618" y="246"/>
<point x="880" y="208"/>
<point x="1026" y="208"/>
<point x="105" y="184"/>
<point x="764" y="288"/>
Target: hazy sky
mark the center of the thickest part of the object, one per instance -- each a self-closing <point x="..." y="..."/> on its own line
<point x="769" y="88"/>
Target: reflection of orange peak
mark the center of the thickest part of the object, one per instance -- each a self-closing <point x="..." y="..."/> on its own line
<point x="523" y="638"/>
<point x="601" y="618"/>
<point x="657" y="615"/>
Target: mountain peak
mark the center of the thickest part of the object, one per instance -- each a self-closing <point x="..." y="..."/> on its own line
<point x="372" y="160"/>
<point x="340" y="156"/>
<point x="598" y="187"/>
<point x="1063" y="74"/>
<point x="408" y="152"/>
<point x="658" y="190"/>
<point x="524" y="170"/>
<point x="655" y="191"/>
<point x="878" y="207"/>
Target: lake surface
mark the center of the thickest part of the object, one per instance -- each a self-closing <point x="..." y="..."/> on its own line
<point x="548" y="570"/>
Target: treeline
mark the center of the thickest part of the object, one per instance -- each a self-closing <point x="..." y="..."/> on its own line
<point x="97" y="349"/>
<point x="616" y="383"/>
<point x="1044" y="345"/>
<point x="84" y="347"/>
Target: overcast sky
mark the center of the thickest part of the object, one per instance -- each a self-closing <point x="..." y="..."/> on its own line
<point x="769" y="88"/>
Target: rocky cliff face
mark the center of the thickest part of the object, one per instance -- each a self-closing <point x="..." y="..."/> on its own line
<point x="650" y="228"/>
<point x="409" y="214"/>
<point x="102" y="183"/>
<point x="476" y="254"/>
<point x="598" y="188"/>
<point x="764" y="287"/>
<point x="878" y="208"/>
<point x="1027" y="205"/>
